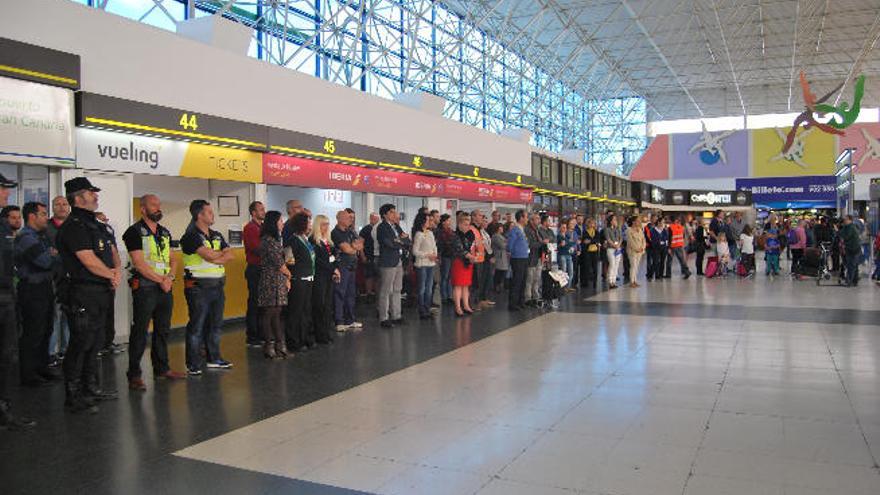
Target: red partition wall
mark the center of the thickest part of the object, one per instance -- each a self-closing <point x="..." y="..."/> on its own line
<point x="304" y="172"/>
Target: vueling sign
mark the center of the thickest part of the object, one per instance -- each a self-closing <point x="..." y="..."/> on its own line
<point x="130" y="153"/>
<point x="104" y="150"/>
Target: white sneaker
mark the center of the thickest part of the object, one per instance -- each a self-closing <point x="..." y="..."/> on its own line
<point x="341" y="328"/>
<point x="357" y="324"/>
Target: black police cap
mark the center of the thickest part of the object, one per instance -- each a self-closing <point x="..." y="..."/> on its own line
<point x="79" y="184"/>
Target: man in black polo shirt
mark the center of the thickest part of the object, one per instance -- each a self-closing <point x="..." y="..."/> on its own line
<point x="152" y="275"/>
<point x="205" y="252"/>
<point x="90" y="278"/>
<point x="347" y="242"/>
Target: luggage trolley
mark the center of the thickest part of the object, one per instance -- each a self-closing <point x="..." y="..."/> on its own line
<point x="815" y="263"/>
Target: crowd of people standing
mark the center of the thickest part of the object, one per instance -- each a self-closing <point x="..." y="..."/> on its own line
<point x="59" y="275"/>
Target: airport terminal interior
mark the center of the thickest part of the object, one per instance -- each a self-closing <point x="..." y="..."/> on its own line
<point x="597" y="247"/>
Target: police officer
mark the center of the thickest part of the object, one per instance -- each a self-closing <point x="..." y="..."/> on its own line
<point x="204" y="253"/>
<point x="109" y="346"/>
<point x="8" y="329"/>
<point x="152" y="274"/>
<point x="86" y="294"/>
<point x="35" y="262"/>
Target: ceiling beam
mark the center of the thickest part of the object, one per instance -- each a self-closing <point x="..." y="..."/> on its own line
<point x="660" y="54"/>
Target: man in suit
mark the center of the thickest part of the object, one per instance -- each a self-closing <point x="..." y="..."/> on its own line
<point x="391" y="240"/>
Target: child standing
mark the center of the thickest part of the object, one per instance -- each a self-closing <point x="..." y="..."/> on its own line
<point x="747" y="248"/>
<point x="771" y="252"/>
<point x="723" y="253"/>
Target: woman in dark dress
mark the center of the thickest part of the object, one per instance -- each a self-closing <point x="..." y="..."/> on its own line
<point x="462" y="273"/>
<point x="273" y="286"/>
<point x="300" y="332"/>
<point x="326" y="275"/>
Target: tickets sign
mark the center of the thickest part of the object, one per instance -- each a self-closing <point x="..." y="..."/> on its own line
<point x="294" y="171"/>
<point x="118" y="152"/>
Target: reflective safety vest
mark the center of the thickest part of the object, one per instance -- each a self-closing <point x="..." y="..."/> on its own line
<point x="197" y="267"/>
<point x="157" y="254"/>
<point x="677" y="236"/>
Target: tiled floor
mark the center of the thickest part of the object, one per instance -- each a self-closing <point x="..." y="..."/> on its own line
<point x="684" y="387"/>
<point x="599" y="402"/>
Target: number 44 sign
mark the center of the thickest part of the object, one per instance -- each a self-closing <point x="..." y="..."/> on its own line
<point x="189" y="122"/>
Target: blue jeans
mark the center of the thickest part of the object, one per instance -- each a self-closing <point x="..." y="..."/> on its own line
<point x="205" y="303"/>
<point x="772" y="263"/>
<point x="344" y="296"/>
<point x="445" y="281"/>
<point x="566" y="265"/>
<point x="60" y="332"/>
<point x="425" y="276"/>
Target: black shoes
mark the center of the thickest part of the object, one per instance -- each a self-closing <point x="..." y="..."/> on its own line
<point x="75" y="402"/>
<point x="397" y="321"/>
<point x="386" y="324"/>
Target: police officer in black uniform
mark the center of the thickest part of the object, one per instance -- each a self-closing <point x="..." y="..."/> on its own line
<point x="8" y="327"/>
<point x="86" y="294"/>
<point x="109" y="346"/>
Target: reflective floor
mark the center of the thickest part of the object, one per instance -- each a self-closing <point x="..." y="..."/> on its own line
<point x="680" y="387"/>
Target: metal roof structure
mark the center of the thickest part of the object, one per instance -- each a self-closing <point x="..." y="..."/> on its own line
<point x="693" y="58"/>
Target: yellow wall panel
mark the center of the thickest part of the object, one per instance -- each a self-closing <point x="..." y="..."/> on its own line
<point x="812" y="154"/>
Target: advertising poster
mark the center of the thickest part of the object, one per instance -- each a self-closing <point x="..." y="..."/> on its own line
<point x="791" y="192"/>
<point x="36" y="123"/>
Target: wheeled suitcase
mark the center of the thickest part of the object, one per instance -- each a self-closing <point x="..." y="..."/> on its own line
<point x="712" y="268"/>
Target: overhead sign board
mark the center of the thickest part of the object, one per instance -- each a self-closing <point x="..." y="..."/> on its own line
<point x="35" y="63"/>
<point x="119" y="152"/>
<point x="110" y="113"/>
<point x="329" y="148"/>
<point x="36" y="123"/>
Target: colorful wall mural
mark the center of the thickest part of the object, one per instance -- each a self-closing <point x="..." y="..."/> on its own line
<point x="756" y="153"/>
<point x="710" y="155"/>
<point x="654" y="164"/>
<point x="865" y="138"/>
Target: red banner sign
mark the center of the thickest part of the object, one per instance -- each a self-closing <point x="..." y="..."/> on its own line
<point x="294" y="171"/>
